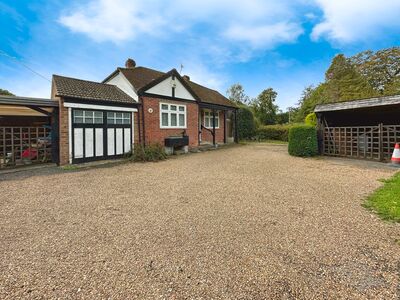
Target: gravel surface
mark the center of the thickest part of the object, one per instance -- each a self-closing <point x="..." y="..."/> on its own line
<point x="247" y="222"/>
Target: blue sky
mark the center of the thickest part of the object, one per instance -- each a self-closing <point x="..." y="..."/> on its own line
<point x="285" y="44"/>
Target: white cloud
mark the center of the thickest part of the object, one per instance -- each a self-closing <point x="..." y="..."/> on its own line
<point x="265" y="36"/>
<point x="115" y="20"/>
<point x="257" y="22"/>
<point x="347" y="21"/>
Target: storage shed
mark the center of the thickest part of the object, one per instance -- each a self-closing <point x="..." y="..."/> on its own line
<point x="365" y="129"/>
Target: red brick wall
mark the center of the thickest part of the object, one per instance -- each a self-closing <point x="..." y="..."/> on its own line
<point x="136" y="127"/>
<point x="206" y="136"/>
<point x="155" y="134"/>
<point x="64" y="137"/>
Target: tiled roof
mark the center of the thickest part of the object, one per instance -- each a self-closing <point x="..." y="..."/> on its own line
<point x="90" y="90"/>
<point x="140" y="77"/>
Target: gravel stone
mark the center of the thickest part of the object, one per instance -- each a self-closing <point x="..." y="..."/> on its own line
<point x="245" y="222"/>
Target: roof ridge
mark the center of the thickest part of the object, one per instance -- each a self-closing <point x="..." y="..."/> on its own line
<point x="83" y="80"/>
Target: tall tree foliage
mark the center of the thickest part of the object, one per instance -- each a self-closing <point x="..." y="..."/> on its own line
<point x="264" y="107"/>
<point x="367" y="74"/>
<point x="6" y="93"/>
<point x="380" y="68"/>
<point x="236" y="94"/>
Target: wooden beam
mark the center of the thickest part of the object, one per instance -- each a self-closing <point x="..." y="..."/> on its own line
<point x="38" y="109"/>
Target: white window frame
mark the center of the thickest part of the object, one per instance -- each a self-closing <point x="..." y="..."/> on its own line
<point x="177" y="112"/>
<point x="210" y="117"/>
<point x="126" y="116"/>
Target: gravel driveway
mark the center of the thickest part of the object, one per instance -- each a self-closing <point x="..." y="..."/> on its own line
<point x="247" y="222"/>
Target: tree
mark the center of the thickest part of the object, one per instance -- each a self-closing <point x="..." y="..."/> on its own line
<point x="236" y="94"/>
<point x="344" y="82"/>
<point x="6" y="93"/>
<point x="282" y="117"/>
<point x="264" y="107"/>
<point x="381" y="68"/>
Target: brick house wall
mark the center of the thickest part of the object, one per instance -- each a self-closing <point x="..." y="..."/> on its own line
<point x="152" y="131"/>
<point x="206" y="136"/>
<point x="63" y="133"/>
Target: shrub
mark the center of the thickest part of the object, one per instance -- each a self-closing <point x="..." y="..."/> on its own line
<point x="273" y="132"/>
<point x="303" y="140"/>
<point x="311" y="119"/>
<point x="245" y="123"/>
<point x="152" y="152"/>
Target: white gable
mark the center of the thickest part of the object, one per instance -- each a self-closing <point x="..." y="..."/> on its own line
<point x="120" y="81"/>
<point x="164" y="88"/>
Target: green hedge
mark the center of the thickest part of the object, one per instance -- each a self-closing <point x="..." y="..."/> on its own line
<point x="152" y="152"/>
<point x="245" y="122"/>
<point x="273" y="132"/>
<point x="303" y="140"/>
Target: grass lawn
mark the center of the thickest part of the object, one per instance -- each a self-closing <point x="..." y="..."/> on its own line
<point x="386" y="200"/>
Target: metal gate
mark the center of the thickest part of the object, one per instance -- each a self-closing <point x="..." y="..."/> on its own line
<point x="366" y="142"/>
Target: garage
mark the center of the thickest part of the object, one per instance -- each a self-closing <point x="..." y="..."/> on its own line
<point x="97" y="121"/>
<point x="98" y="134"/>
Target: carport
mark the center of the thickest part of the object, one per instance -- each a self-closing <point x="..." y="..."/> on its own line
<point x="366" y="129"/>
<point x="28" y="131"/>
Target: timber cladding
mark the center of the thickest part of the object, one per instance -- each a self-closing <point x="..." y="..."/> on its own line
<point x="365" y="142"/>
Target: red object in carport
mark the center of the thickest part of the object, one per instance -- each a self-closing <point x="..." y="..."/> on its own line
<point x="29" y="153"/>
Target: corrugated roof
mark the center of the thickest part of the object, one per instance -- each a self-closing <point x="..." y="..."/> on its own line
<point x="90" y="90"/>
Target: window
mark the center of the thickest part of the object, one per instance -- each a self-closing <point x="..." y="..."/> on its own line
<point x="118" y="118"/>
<point x="172" y="116"/>
<point x="88" y="117"/>
<point x="208" y="119"/>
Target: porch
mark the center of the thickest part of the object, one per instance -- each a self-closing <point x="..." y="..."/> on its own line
<point x="217" y="125"/>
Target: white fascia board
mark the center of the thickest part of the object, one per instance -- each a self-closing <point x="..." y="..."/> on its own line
<point x="100" y="107"/>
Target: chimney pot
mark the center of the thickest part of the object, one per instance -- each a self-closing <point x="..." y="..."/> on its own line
<point x="130" y="63"/>
<point x="186" y="77"/>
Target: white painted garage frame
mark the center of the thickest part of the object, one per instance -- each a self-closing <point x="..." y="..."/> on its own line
<point x="101" y="139"/>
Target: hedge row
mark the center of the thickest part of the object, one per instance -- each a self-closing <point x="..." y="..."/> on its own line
<point x="303" y="141"/>
<point x="273" y="132"/>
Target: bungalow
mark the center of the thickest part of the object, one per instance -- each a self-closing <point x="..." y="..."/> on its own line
<point x="88" y="120"/>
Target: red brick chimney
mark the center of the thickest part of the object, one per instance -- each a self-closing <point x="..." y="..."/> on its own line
<point x="186" y="77"/>
<point x="130" y="63"/>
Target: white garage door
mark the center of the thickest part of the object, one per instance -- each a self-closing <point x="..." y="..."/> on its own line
<point x="100" y="134"/>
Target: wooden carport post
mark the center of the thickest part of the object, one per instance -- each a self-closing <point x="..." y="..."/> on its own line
<point x="213" y="114"/>
<point x="236" y="127"/>
<point x="224" y="126"/>
<point x="380" y="142"/>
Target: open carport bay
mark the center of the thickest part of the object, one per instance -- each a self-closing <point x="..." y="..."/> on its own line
<point x="246" y="222"/>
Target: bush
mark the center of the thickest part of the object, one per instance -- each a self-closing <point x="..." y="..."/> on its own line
<point x="245" y="123"/>
<point x="311" y="119"/>
<point x="152" y="152"/>
<point x="273" y="132"/>
<point x="303" y="140"/>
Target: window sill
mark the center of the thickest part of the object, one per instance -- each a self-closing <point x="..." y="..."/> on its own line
<point x="170" y="127"/>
